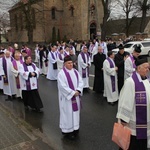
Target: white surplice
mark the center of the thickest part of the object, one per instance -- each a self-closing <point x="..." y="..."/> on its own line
<point x="16" y="74"/>
<point x="111" y="96"/>
<point x="60" y="63"/>
<point x="126" y="106"/>
<point x="94" y="52"/>
<point x="104" y="46"/>
<point x="24" y="75"/>
<point x="128" y="68"/>
<point x="69" y="119"/>
<point x="10" y="88"/>
<point x="82" y="65"/>
<point x="1" y="73"/>
<point x="52" y="73"/>
<point x="44" y="68"/>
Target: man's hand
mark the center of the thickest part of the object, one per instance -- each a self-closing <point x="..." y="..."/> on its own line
<point x="33" y="74"/>
<point x="76" y="93"/>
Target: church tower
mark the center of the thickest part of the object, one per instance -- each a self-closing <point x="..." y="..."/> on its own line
<point x="95" y="17"/>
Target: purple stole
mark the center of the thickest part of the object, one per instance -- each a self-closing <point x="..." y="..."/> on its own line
<point x="84" y="60"/>
<point x="113" y="83"/>
<point x="16" y="68"/>
<point x="70" y="83"/>
<point x="28" y="81"/>
<point x="141" y="108"/>
<point x="60" y="57"/>
<point x="28" y="51"/>
<point x="5" y="70"/>
<point x="132" y="59"/>
<point x="53" y="56"/>
<point x="65" y="54"/>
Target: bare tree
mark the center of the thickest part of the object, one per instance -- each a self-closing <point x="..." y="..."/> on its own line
<point x="130" y="12"/>
<point x="106" y="9"/>
<point x="144" y="7"/>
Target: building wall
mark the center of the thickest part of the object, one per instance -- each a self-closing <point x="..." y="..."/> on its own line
<point x="74" y="27"/>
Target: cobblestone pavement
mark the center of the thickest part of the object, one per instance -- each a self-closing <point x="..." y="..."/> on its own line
<point x="14" y="137"/>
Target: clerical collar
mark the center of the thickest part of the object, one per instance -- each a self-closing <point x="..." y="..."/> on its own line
<point x="140" y="77"/>
<point x="28" y="64"/>
<point x="68" y="69"/>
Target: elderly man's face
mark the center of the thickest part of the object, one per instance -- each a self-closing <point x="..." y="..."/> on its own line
<point x="68" y="65"/>
<point x="7" y="54"/>
<point x="17" y="56"/>
<point x="143" y="69"/>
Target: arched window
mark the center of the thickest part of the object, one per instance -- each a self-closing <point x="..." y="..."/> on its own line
<point x="71" y="11"/>
<point x="92" y="30"/>
<point x="53" y="13"/>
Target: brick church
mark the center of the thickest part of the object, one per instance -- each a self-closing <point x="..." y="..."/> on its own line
<point x="73" y="19"/>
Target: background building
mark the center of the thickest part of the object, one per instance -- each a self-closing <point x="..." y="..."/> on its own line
<point x="55" y="19"/>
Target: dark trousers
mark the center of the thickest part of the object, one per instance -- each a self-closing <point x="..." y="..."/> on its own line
<point x="120" y="83"/>
<point x="136" y="144"/>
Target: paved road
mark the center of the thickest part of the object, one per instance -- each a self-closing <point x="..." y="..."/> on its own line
<point x="97" y="119"/>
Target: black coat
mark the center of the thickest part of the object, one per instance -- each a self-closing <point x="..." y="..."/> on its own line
<point x="99" y="79"/>
<point x="119" y="62"/>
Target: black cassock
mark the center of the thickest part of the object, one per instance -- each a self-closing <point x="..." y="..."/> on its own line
<point x="99" y="78"/>
<point x="32" y="98"/>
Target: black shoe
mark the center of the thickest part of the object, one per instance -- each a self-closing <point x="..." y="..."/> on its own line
<point x="38" y="110"/>
<point x="76" y="132"/>
<point x="9" y="98"/>
<point x="112" y="103"/>
<point x="69" y="136"/>
<point x="26" y="107"/>
<point x="13" y="97"/>
<point x="19" y="99"/>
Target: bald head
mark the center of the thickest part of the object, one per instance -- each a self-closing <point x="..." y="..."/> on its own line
<point x="7" y="54"/>
<point x="17" y="56"/>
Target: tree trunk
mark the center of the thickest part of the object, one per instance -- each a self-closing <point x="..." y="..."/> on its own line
<point x="106" y="16"/>
<point x="144" y="9"/>
<point x="30" y="36"/>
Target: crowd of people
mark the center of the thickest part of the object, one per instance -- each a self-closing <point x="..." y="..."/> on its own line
<point x="117" y="77"/>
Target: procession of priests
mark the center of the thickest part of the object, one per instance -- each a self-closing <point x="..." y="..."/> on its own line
<point x="117" y="77"/>
<point x="19" y="78"/>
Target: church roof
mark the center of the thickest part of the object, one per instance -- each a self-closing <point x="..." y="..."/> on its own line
<point x="118" y="26"/>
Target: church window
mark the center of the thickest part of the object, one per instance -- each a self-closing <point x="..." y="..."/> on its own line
<point x="53" y="13"/>
<point x="72" y="11"/>
<point x="92" y="9"/>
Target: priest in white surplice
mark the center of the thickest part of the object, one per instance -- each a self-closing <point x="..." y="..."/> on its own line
<point x="60" y="59"/>
<point x="129" y="64"/>
<point x="14" y="68"/>
<point x="52" y="64"/>
<point x="9" y="87"/>
<point x="134" y="106"/>
<point x="110" y="79"/>
<point x="1" y="71"/>
<point x="29" y="74"/>
<point x="70" y="86"/>
<point x="84" y="63"/>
